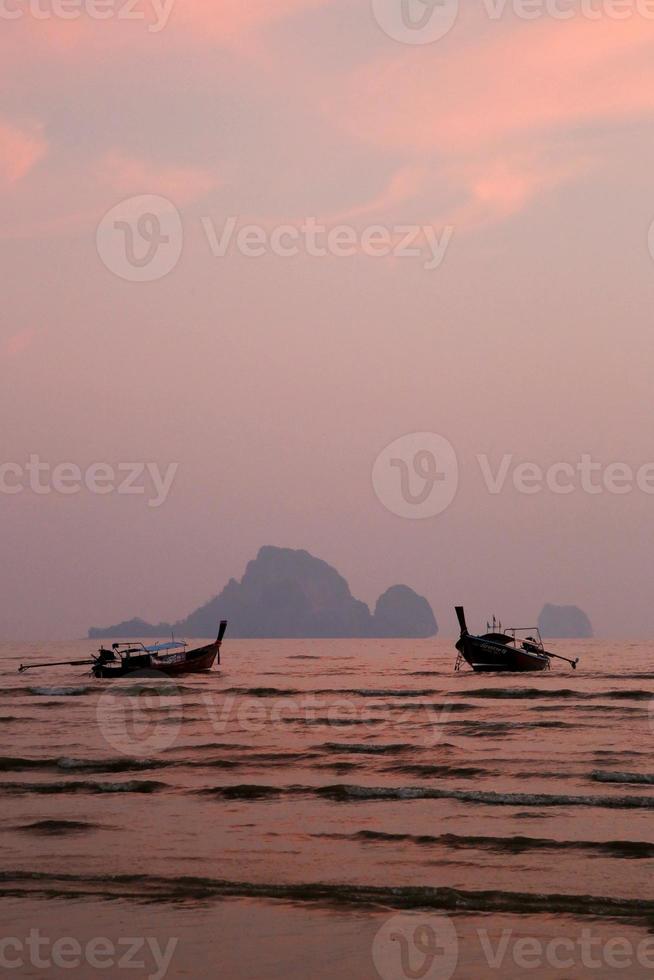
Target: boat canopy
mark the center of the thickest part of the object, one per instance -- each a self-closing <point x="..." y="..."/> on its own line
<point x="171" y="645"/>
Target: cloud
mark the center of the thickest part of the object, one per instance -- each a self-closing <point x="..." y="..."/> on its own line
<point x="491" y="117"/>
<point x="20" y="149"/>
<point x="230" y="19"/>
<point x="18" y="343"/>
<point x="127" y="175"/>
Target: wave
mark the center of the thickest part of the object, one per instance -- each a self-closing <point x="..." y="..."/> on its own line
<point x="349" y="793"/>
<point x="336" y="722"/>
<point x="177" y="889"/>
<point x="84" y="786"/>
<point x="256" y="758"/>
<point x="508" y="845"/>
<point x="508" y="693"/>
<point x="274" y="692"/>
<point x="635" y="778"/>
<point x="447" y="707"/>
<point x="417" y="769"/>
<point x="340" y="768"/>
<point x="18" y="764"/>
<point x="61" y="692"/>
<point x="505" y="727"/>
<point x="598" y="709"/>
<point x="265" y="692"/>
<point x="245" y="791"/>
<point x="384" y="693"/>
<point x="56" y="828"/>
<point x="212" y="763"/>
<point x="198" y="746"/>
<point x="345" y="793"/>
<point x="373" y="748"/>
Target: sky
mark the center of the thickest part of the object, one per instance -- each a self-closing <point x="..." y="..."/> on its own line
<point x="326" y="274"/>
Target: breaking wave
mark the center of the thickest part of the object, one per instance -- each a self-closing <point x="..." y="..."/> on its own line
<point x="84" y="786"/>
<point x="56" y="828"/>
<point x="508" y="845"/>
<point x="183" y="888"/>
<point x="349" y="793"/>
<point x="365" y="748"/>
<point x="508" y="693"/>
<point x="635" y="778"/>
<point x="60" y="692"/>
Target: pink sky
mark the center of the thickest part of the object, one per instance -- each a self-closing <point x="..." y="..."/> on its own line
<point x="275" y="382"/>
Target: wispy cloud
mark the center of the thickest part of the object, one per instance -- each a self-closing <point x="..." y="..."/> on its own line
<point x="126" y="174"/>
<point x="484" y="117"/>
<point x="18" y="343"/>
<point x="21" y="147"/>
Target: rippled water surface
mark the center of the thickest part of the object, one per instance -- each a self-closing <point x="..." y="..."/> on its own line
<point x="273" y="816"/>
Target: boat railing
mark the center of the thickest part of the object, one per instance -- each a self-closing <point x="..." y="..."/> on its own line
<point x="137" y="646"/>
<point x="529" y="633"/>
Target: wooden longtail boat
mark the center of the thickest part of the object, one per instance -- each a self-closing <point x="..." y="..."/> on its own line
<point x="513" y="650"/>
<point x="172" y="658"/>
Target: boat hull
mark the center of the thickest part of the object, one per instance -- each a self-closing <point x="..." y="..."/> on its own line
<point x="193" y="662"/>
<point x="487" y="656"/>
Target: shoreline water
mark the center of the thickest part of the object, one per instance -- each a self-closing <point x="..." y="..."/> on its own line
<point x="278" y="814"/>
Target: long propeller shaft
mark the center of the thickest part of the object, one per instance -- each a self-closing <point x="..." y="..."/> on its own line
<point x="60" y="663"/>
<point x="573" y="663"/>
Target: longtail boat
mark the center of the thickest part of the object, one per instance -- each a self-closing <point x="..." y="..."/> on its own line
<point x="171" y="658"/>
<point x="516" y="649"/>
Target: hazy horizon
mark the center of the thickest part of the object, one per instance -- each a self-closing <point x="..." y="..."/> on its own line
<point x="520" y="152"/>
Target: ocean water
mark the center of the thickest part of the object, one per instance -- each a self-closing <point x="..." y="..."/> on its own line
<point x="321" y="809"/>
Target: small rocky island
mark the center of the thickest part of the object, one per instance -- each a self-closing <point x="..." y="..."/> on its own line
<point x="291" y="594"/>
<point x="566" y="622"/>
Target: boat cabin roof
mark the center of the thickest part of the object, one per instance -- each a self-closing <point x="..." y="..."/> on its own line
<point x="171" y="645"/>
<point x="138" y="647"/>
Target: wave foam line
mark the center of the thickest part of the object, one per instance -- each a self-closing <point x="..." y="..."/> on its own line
<point x="167" y="889"/>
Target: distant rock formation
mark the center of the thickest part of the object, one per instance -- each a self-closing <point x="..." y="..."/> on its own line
<point x="131" y="627"/>
<point x="401" y="612"/>
<point x="286" y="594"/>
<point x="568" y="622"/>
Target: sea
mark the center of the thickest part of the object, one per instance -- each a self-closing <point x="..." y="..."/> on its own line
<point x="329" y="810"/>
